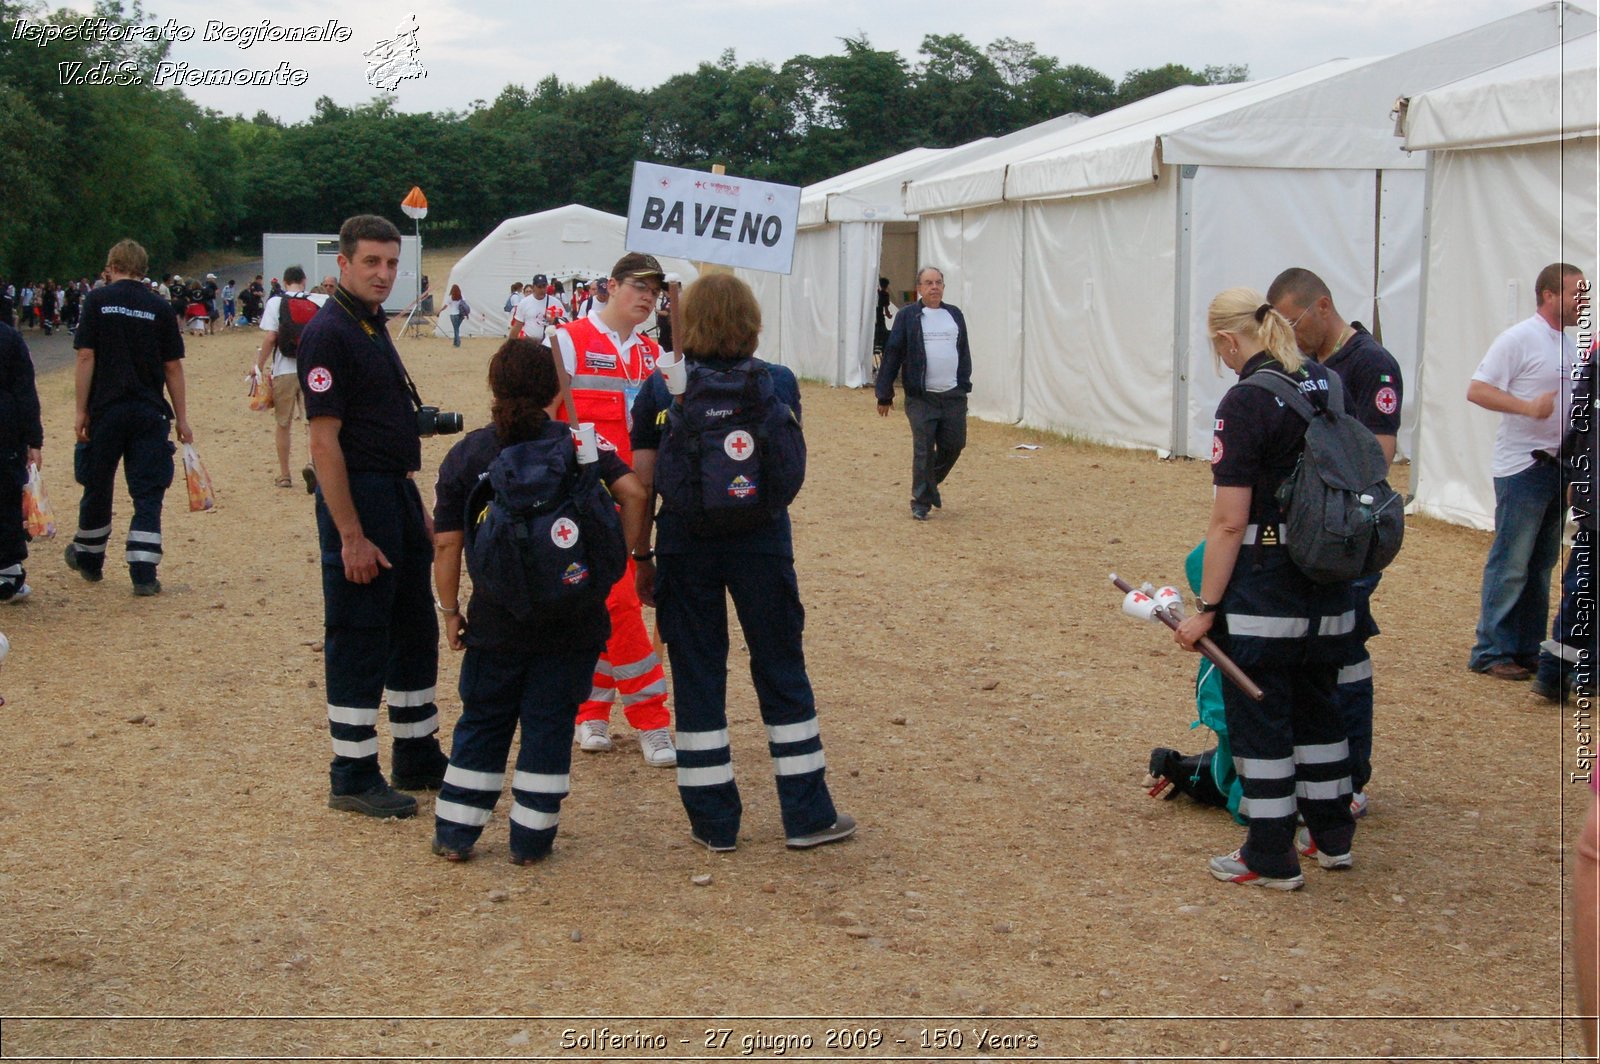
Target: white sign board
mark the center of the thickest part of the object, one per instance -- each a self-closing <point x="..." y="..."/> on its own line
<point x="718" y="218"/>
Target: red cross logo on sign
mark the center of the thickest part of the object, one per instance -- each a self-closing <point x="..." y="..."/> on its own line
<point x="319" y="380"/>
<point x="564" y="533"/>
<point x="739" y="445"/>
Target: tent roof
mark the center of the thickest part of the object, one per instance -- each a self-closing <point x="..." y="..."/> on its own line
<point x="872" y="193"/>
<point x="1549" y="95"/>
<point x="1332" y="115"/>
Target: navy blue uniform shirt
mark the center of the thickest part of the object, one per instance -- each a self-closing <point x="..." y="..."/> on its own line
<point x="19" y="398"/>
<point x="133" y="334"/>
<point x="349" y="369"/>
<point x="1371" y="379"/>
<point x="672" y="531"/>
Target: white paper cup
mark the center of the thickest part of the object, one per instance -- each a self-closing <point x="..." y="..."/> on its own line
<point x="588" y="449"/>
<point x="675" y="370"/>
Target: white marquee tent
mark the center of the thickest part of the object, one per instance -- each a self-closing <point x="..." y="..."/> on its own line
<point x="817" y="320"/>
<point x="564" y="243"/>
<point x="1084" y="262"/>
<point x="1512" y="182"/>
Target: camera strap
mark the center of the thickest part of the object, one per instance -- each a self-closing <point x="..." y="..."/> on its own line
<point x="342" y="298"/>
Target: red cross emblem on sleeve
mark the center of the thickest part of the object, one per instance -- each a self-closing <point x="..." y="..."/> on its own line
<point x="739" y="445"/>
<point x="319" y="380"/>
<point x="1386" y="400"/>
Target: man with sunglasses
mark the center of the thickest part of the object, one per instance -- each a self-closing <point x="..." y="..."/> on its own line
<point x="1371" y="378"/>
<point x="607" y="359"/>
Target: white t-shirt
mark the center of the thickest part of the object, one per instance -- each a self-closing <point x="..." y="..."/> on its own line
<point x="939" y="335"/>
<point x="281" y="366"/>
<point x="537" y="309"/>
<point x="1528" y="360"/>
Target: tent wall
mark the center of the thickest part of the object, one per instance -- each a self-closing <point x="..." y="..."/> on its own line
<point x="1398" y="304"/>
<point x="1249" y="224"/>
<point x="1497" y="216"/>
<point x="981" y="255"/>
<point x="1097" y="328"/>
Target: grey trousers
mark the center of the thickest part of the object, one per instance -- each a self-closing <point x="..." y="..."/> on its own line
<point x="938" y="434"/>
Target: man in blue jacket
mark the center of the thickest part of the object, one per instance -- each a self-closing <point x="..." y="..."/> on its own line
<point x="929" y="342"/>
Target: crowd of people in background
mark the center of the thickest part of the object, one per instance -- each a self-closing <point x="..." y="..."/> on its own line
<point x="201" y="304"/>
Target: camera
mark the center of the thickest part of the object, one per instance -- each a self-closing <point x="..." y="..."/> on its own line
<point x="431" y="421"/>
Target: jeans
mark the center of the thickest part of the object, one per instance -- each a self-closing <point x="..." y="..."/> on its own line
<point x="455" y="322"/>
<point x="1515" y="600"/>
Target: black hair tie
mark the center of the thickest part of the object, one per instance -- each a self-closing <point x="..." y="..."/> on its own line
<point x="1262" y="311"/>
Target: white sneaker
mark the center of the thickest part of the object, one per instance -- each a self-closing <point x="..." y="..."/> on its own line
<point x="1309" y="850"/>
<point x="594" y="736"/>
<point x="657" y="747"/>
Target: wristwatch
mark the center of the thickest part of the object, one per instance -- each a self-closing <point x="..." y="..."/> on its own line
<point x="1202" y="606"/>
<point x="647" y="556"/>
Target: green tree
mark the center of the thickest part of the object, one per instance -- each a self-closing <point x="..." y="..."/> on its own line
<point x="958" y="94"/>
<point x="1141" y="83"/>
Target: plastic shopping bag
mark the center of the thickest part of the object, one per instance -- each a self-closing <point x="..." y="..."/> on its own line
<point x="37" y="516"/>
<point x="201" y="496"/>
<point x="260" y="390"/>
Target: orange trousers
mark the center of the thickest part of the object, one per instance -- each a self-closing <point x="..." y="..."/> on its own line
<point x="629" y="666"/>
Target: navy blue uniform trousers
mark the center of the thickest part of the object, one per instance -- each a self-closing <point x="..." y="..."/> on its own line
<point x="134" y="434"/>
<point x="691" y="607"/>
<point x="13" y="538"/>
<point x="382" y="638"/>
<point x="499" y="690"/>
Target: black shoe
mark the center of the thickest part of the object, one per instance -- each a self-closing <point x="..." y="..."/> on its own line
<point x="310" y="477"/>
<point x="919" y="512"/>
<point x="423" y="771"/>
<point x="146" y="590"/>
<point x="380" y="801"/>
<point x="94" y="576"/>
<point x="1545" y="691"/>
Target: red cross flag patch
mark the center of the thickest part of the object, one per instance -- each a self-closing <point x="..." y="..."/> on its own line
<point x="564" y="533"/>
<point x="1386" y="400"/>
<point x="739" y="445"/>
<point x="319" y="380"/>
<point x="1216" y="449"/>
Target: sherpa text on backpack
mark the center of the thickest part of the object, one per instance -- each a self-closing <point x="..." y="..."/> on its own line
<point x="733" y="456"/>
<point x="543" y="533"/>
<point x="295" y="311"/>
<point x="1341" y="519"/>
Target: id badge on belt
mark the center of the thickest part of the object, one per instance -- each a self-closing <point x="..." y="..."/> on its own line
<point x="629" y="394"/>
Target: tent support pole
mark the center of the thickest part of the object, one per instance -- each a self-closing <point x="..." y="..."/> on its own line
<point x="1180" y="312"/>
<point x="1415" y="386"/>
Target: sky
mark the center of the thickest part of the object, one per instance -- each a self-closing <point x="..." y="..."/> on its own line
<point x="468" y="52"/>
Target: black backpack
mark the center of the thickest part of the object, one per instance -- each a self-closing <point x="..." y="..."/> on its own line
<point x="1341" y="519"/>
<point x="733" y="457"/>
<point x="295" y="311"/>
<point x="542" y="531"/>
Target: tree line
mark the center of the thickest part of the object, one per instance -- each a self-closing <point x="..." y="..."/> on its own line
<point x="84" y="165"/>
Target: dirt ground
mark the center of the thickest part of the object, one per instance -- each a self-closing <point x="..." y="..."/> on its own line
<point x="175" y="886"/>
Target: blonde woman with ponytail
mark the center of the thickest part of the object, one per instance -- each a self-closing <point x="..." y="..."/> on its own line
<point x="1285" y="631"/>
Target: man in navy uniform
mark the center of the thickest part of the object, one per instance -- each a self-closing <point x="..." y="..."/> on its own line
<point x="129" y="348"/>
<point x="382" y="640"/>
<point x="1371" y="378"/>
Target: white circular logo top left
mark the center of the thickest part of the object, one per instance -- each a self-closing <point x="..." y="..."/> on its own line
<point x="319" y="380"/>
<point x="739" y="445"/>
<point x="564" y="533"/>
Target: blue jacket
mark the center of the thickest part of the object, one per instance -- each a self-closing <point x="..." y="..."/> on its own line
<point x="904" y="349"/>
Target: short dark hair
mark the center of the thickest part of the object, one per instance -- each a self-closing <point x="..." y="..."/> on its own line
<point x="1300" y="284"/>
<point x="1552" y="278"/>
<point x="365" y="227"/>
<point x="294" y="275"/>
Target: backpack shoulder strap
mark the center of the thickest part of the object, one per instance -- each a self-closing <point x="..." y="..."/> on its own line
<point x="1283" y="386"/>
